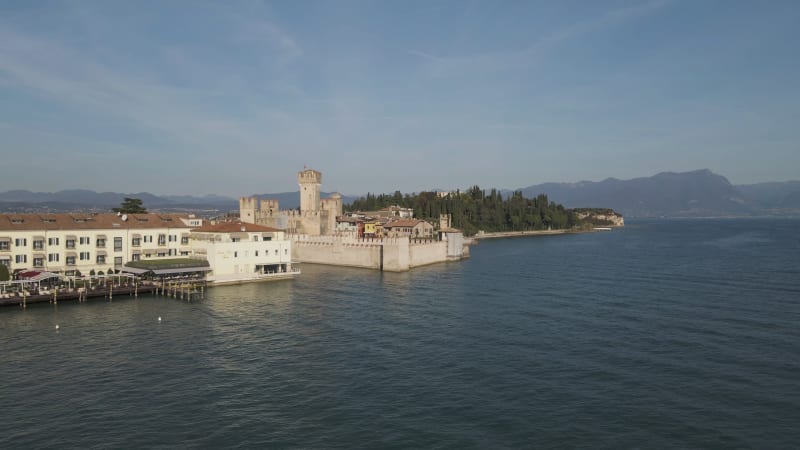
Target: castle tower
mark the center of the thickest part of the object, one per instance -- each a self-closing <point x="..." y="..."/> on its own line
<point x="269" y="207"/>
<point x="247" y="209"/>
<point x="445" y="221"/>
<point x="310" y="182"/>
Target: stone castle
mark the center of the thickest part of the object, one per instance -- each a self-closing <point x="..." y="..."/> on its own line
<point x="316" y="217"/>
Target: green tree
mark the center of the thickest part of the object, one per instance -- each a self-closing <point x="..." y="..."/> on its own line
<point x="131" y="206"/>
<point x="475" y="209"/>
<point x="4" y="275"/>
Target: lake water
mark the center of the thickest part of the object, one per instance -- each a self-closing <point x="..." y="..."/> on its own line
<point x="665" y="334"/>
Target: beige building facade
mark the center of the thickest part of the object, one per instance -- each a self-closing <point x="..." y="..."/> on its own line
<point x="413" y="228"/>
<point x="79" y="243"/>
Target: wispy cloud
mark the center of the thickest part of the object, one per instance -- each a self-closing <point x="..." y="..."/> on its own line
<point x="446" y="66"/>
<point x="258" y="30"/>
<point x="65" y="75"/>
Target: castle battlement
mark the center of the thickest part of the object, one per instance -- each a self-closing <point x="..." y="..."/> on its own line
<point x="309" y="176"/>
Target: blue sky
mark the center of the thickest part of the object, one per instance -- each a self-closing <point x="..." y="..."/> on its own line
<point x="233" y="98"/>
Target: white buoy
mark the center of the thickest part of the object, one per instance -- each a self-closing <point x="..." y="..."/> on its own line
<point x="159" y="318"/>
<point x="57" y="327"/>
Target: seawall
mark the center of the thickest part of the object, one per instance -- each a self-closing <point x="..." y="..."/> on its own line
<point x="395" y="254"/>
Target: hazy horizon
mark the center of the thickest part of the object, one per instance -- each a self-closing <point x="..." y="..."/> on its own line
<point x="358" y="194"/>
<point x="197" y="98"/>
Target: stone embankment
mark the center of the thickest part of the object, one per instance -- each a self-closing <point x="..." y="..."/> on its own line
<point x="507" y="234"/>
<point x="395" y="254"/>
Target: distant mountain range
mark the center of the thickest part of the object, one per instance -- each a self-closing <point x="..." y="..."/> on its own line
<point x="86" y="200"/>
<point x="699" y="193"/>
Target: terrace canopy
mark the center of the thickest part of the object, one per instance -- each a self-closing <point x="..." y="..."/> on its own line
<point x="175" y="266"/>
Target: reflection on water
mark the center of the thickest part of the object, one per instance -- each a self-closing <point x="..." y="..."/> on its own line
<point x="641" y="337"/>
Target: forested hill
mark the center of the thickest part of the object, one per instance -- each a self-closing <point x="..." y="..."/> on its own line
<point x="476" y="209"/>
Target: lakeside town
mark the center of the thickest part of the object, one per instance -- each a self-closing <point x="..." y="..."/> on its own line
<point x="45" y="257"/>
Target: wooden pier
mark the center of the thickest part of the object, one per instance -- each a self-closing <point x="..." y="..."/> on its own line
<point x="182" y="289"/>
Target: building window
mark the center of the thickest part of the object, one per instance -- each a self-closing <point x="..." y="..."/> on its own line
<point x="276" y="251"/>
<point x="101" y="259"/>
<point x="118" y="260"/>
<point x="162" y="239"/>
<point x="21" y="259"/>
<point x="148" y="238"/>
<point x="70" y="243"/>
<point x="117" y="244"/>
<point x="38" y="244"/>
<point x="135" y="242"/>
<point x="70" y="260"/>
<point x="256" y="252"/>
<point x="84" y="240"/>
<point x="173" y="238"/>
<point x="235" y="254"/>
<point x="84" y="256"/>
<point x="52" y="257"/>
<point x="101" y="243"/>
<point x="4" y="245"/>
<point x="136" y="257"/>
<point x="184" y="253"/>
<point x="21" y="242"/>
<point x="255" y="237"/>
<point x="286" y="251"/>
<point x="5" y="261"/>
<point x="161" y="254"/>
<point x="185" y="240"/>
<point x="38" y="262"/>
<point x="70" y="273"/>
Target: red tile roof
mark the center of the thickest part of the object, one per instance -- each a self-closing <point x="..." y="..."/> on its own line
<point x="234" y="227"/>
<point x="404" y="223"/>
<point x="88" y="221"/>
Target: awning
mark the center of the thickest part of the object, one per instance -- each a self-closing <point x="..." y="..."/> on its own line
<point x="73" y="254"/>
<point x="183" y="270"/>
<point x="45" y="276"/>
<point x="38" y="276"/>
<point x="139" y="271"/>
<point x="100" y="252"/>
<point x="136" y="236"/>
<point x="5" y="239"/>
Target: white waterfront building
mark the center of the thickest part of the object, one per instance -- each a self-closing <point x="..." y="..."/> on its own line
<point x="240" y="252"/>
<point x="81" y="242"/>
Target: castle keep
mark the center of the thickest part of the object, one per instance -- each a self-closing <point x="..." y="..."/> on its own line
<point x="313" y="231"/>
<point x="316" y="217"/>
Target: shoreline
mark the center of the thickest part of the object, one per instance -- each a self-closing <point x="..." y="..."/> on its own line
<point x="508" y="234"/>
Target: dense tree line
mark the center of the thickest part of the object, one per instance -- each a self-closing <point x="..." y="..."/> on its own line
<point x="476" y="210"/>
<point x="131" y="206"/>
